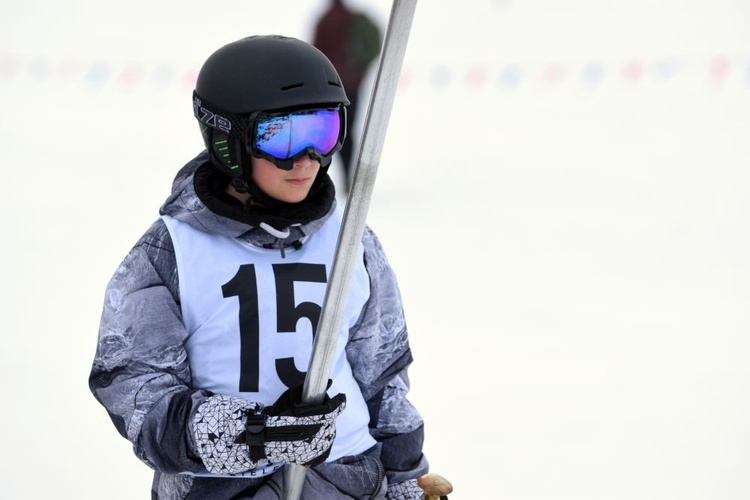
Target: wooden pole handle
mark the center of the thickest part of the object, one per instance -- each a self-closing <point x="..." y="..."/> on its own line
<point x="434" y="486"/>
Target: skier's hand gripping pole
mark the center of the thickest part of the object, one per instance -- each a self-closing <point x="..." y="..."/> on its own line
<point x="355" y="214"/>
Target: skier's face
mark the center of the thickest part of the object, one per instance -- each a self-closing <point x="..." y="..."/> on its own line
<point x="290" y="186"/>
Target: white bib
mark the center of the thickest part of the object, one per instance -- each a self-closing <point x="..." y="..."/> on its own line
<point x="249" y="314"/>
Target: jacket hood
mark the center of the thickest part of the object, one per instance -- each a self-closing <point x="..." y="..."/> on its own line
<point x="198" y="186"/>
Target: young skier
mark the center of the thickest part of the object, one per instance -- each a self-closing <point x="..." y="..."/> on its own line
<point x="208" y="323"/>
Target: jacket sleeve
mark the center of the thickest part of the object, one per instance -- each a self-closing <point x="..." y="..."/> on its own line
<point x="140" y="372"/>
<point x="380" y="355"/>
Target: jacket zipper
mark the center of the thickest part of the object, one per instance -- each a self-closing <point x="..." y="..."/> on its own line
<point x="381" y="474"/>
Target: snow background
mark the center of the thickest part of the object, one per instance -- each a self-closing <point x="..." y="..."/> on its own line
<point x="563" y="194"/>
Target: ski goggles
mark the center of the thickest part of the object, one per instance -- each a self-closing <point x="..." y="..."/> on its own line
<point x="282" y="137"/>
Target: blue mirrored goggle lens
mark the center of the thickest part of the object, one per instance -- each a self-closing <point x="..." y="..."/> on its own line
<point x="286" y="136"/>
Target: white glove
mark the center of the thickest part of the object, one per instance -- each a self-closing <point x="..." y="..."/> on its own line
<point x="234" y="435"/>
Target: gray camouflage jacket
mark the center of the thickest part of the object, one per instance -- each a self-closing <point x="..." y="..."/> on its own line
<point x="141" y="373"/>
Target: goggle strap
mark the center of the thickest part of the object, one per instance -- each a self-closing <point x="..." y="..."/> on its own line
<point x="219" y="119"/>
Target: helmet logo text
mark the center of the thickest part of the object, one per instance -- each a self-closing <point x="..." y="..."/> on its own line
<point x="209" y="117"/>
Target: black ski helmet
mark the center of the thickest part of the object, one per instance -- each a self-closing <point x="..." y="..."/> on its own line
<point x="258" y="73"/>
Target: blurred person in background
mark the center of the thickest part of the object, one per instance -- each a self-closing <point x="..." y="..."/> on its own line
<point x="352" y="41"/>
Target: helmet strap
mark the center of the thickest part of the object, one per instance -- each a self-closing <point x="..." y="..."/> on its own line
<point x="227" y="154"/>
<point x="240" y="185"/>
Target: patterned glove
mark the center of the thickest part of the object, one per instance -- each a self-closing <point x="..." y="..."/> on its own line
<point x="406" y="490"/>
<point x="233" y="435"/>
<point x="296" y="432"/>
